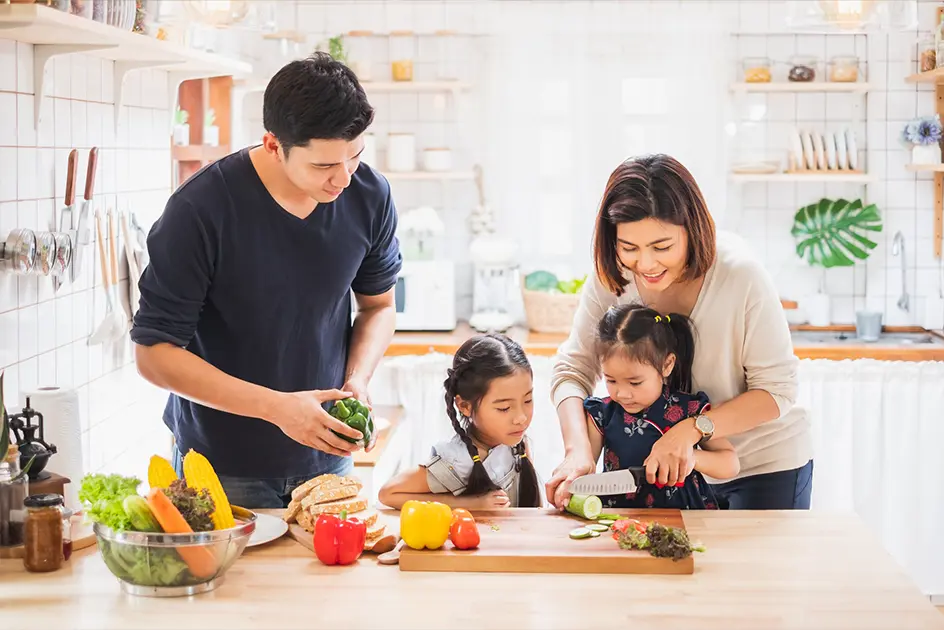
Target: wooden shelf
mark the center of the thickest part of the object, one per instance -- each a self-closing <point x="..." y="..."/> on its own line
<point x="814" y="86"/>
<point x="430" y="176"/>
<point x="826" y="177"/>
<point x="199" y="153"/>
<point x="54" y="33"/>
<point x="925" y="168"/>
<point x="932" y="76"/>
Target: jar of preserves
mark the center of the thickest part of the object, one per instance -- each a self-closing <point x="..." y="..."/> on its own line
<point x="802" y="69"/>
<point x="756" y="69"/>
<point x="401" y="55"/>
<point x="844" y="69"/>
<point x="42" y="535"/>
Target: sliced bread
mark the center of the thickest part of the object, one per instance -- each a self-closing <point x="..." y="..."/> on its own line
<point x="329" y="492"/>
<point x="351" y="505"/>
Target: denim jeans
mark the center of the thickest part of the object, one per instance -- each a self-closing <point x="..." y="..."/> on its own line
<point x="255" y="494"/>
<point x="784" y="490"/>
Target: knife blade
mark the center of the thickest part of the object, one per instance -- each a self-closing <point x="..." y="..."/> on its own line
<point x="81" y="227"/>
<point x="624" y="481"/>
<point x="65" y="218"/>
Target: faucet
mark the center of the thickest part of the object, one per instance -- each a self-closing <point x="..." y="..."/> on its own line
<point x="898" y="249"/>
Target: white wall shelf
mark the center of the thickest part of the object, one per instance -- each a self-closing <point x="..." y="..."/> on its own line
<point x="55" y="33"/>
<point x="813" y="86"/>
<point x="429" y="175"/>
<point x="416" y="86"/>
<point x="826" y="177"/>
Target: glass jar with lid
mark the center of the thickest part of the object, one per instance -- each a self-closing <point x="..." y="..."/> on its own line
<point x="927" y="55"/>
<point x="359" y="57"/>
<point x="402" y="53"/>
<point x="844" y="69"/>
<point x="448" y="55"/>
<point x="756" y="69"/>
<point x="802" y="69"/>
<point x="42" y="533"/>
<point x="13" y="490"/>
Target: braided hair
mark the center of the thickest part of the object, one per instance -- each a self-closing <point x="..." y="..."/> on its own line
<point x="476" y="363"/>
<point x="644" y="335"/>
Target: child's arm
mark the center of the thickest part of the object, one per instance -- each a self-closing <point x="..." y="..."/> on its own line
<point x="412" y="486"/>
<point x="717" y="458"/>
<point x="596" y="439"/>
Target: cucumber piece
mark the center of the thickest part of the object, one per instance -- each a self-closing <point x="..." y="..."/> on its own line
<point x="585" y="506"/>
<point x="609" y="517"/>
<point x="580" y="532"/>
<point x="605" y="521"/>
<point x="597" y="527"/>
<point x="594" y="534"/>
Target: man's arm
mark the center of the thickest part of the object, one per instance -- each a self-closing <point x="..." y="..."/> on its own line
<point x="373" y="329"/>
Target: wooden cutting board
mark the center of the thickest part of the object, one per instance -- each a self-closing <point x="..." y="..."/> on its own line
<point x="297" y="533"/>
<point x="536" y="541"/>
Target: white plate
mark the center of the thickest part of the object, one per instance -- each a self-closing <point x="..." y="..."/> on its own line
<point x="852" y="151"/>
<point x="268" y="528"/>
<point x="841" y="151"/>
<point x="830" y="141"/>
<point x="797" y="148"/>
<point x="820" y="151"/>
<point x="808" y="151"/>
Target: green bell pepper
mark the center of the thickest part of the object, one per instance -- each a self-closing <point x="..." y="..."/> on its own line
<point x="356" y="415"/>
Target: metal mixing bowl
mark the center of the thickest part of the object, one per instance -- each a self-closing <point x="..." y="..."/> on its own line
<point x="173" y="565"/>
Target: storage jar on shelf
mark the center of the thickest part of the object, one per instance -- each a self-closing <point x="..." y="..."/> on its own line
<point x="756" y="70"/>
<point x="402" y="55"/>
<point x="844" y="69"/>
<point x="401" y="152"/>
<point x="802" y="69"/>
<point x="448" y="55"/>
<point x="359" y="55"/>
<point x="927" y="56"/>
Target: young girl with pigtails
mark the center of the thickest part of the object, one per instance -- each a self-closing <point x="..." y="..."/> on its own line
<point x="647" y="364"/>
<point x="486" y="464"/>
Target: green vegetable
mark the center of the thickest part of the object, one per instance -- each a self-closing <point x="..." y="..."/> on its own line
<point x="571" y="286"/>
<point x="608" y="517"/>
<point x="597" y="527"/>
<point x="142" y="519"/>
<point x="356" y="415"/>
<point x="580" y="532"/>
<point x="145" y="566"/>
<point x="594" y="534"/>
<point x="103" y="497"/>
<point x="605" y="521"/>
<point x="540" y="281"/>
<point x="585" y="506"/>
<point x="661" y="541"/>
<point x="195" y="506"/>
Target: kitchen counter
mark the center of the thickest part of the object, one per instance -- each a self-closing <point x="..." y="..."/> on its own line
<point x="833" y="342"/>
<point x="761" y="570"/>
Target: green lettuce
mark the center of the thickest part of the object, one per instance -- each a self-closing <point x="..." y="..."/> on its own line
<point x="103" y="497"/>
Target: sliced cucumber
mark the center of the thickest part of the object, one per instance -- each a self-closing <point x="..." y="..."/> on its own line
<point x="609" y="517"/>
<point x="585" y="506"/>
<point x="605" y="521"/>
<point x="594" y="534"/>
<point x="580" y="532"/>
<point x="597" y="527"/>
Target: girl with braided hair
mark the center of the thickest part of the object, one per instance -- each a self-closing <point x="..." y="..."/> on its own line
<point x="646" y="361"/>
<point x="487" y="463"/>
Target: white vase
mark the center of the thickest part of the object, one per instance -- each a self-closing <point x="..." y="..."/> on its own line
<point x="926" y="154"/>
<point x="817" y="307"/>
<point x="211" y="136"/>
<point x="182" y="135"/>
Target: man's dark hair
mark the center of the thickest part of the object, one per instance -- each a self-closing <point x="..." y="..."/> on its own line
<point x="316" y="98"/>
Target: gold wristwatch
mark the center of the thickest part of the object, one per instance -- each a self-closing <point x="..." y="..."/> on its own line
<point x="705" y="426"/>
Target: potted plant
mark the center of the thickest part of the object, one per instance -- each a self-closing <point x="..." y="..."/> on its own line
<point x="833" y="233"/>
<point x="923" y="135"/>
<point x="181" y="128"/>
<point x="211" y="132"/>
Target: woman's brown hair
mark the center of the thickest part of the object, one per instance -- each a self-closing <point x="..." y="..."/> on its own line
<point x="652" y="187"/>
<point x="476" y="363"/>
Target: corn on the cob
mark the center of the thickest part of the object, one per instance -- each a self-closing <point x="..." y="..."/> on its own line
<point x="200" y="474"/>
<point x="160" y="472"/>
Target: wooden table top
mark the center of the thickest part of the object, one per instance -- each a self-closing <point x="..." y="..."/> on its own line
<point x="761" y="570"/>
<point x="546" y="344"/>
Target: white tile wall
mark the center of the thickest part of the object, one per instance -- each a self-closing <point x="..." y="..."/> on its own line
<point x="43" y="333"/>
<point x="763" y="213"/>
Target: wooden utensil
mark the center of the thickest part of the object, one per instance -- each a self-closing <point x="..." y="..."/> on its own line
<point x="536" y="541"/>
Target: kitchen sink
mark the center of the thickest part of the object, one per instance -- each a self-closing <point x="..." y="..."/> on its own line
<point x="831" y="338"/>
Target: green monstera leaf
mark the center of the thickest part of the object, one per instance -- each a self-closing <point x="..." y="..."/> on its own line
<point x="835" y="232"/>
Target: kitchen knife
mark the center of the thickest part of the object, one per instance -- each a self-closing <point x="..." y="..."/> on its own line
<point x="624" y="481"/>
<point x="65" y="219"/>
<point x="81" y="226"/>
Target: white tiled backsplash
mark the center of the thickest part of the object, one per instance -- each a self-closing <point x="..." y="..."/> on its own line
<point x="43" y="333"/>
<point x="556" y="127"/>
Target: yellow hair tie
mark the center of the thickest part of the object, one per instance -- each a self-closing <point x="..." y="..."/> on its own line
<point x="476" y="458"/>
<point x="524" y="456"/>
<point x="658" y="318"/>
<point x="668" y="319"/>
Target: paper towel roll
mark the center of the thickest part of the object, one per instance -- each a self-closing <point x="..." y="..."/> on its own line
<point x="62" y="426"/>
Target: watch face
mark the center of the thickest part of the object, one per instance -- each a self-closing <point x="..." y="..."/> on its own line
<point x="704" y="424"/>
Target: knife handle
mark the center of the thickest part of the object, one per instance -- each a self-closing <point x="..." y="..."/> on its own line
<point x="71" y="176"/>
<point x="90" y="176"/>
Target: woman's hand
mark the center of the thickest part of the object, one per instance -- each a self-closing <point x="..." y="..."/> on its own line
<point x="672" y="458"/>
<point x="576" y="464"/>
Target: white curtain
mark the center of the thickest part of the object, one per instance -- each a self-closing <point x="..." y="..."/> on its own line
<point x="877" y="430"/>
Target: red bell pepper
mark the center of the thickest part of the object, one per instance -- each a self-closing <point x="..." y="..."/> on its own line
<point x="339" y="540"/>
<point x="463" y="532"/>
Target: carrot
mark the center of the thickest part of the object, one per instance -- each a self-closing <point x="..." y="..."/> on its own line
<point x="200" y="560"/>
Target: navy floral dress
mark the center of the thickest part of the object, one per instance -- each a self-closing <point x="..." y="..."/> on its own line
<point x="628" y="439"/>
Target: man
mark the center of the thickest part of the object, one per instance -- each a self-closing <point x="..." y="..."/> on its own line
<point x="245" y="311"/>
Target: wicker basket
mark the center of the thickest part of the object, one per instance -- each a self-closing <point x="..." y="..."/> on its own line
<point x="549" y="312"/>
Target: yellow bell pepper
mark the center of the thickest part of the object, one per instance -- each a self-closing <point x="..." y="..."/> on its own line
<point x="425" y="524"/>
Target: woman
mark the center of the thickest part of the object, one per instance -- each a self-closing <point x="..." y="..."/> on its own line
<point x="655" y="243"/>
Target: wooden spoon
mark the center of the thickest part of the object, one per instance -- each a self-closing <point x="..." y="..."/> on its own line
<point x="391" y="557"/>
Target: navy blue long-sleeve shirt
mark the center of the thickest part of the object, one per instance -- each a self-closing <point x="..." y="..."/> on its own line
<point x="265" y="297"/>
